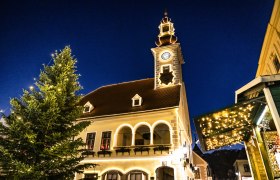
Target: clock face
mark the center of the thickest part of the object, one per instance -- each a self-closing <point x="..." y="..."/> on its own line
<point x="165" y="55"/>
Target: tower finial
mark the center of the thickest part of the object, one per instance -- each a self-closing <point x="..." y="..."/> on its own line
<point x="165" y="12"/>
<point x="166" y="31"/>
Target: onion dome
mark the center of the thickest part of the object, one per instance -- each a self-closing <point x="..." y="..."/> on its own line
<point x="166" y="32"/>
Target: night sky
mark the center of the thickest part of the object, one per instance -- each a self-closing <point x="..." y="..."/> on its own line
<point x="221" y="42"/>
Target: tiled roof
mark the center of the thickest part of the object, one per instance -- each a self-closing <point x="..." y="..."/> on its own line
<point x="116" y="98"/>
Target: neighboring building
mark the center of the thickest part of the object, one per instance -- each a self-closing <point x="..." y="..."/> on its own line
<point x="254" y="119"/>
<point x="202" y="170"/>
<point x="242" y="169"/>
<point x="140" y="130"/>
<point x="270" y="54"/>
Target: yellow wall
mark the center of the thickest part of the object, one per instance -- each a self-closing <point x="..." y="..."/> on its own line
<point x="271" y="44"/>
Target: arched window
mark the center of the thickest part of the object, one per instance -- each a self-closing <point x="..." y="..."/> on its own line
<point x="142" y="135"/>
<point x="165" y="172"/>
<point x="124" y="136"/>
<point x="112" y="175"/>
<point x="136" y="175"/>
<point x="161" y="134"/>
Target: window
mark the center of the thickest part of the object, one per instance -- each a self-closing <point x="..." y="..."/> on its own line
<point x="88" y="107"/>
<point x="246" y="167"/>
<point x="276" y="64"/>
<point x="91" y="176"/>
<point x="90" y="140"/>
<point x="197" y="173"/>
<point x="137" y="100"/>
<point x="136" y="176"/>
<point x="105" y="140"/>
<point x="112" y="176"/>
<point x="165" y="69"/>
<point x="165" y="28"/>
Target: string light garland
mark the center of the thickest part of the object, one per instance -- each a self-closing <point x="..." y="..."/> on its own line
<point x="228" y="126"/>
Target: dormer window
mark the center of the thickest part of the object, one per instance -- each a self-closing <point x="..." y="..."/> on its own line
<point x="88" y="107"/>
<point x="137" y="100"/>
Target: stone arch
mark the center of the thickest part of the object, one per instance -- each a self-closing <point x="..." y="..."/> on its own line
<point x="117" y="132"/>
<point x="142" y="134"/>
<point x="166" y="136"/>
<point x="135" y="174"/>
<point x="112" y="174"/>
<point x="165" y="172"/>
<point x="124" y="136"/>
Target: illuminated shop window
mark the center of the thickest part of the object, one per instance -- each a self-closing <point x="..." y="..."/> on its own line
<point x="105" y="140"/>
<point x="137" y="100"/>
<point x="90" y="140"/>
<point x="88" y="107"/>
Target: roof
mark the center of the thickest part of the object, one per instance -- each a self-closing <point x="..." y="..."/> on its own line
<point x="198" y="160"/>
<point x="197" y="150"/>
<point x="117" y="98"/>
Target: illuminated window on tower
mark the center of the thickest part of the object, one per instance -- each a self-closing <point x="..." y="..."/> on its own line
<point x="165" y="28"/>
<point x="105" y="141"/>
<point x="166" y="69"/>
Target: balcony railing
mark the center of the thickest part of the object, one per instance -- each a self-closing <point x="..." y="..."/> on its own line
<point x="126" y="150"/>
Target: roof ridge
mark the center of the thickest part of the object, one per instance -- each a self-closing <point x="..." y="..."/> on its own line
<point x="109" y="85"/>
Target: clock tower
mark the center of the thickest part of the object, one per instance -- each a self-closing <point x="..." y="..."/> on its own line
<point x="167" y="55"/>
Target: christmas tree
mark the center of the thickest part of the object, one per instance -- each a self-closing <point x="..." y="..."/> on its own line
<point x="38" y="138"/>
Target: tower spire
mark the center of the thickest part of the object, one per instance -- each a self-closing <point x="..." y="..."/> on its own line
<point x="165" y="13"/>
<point x="166" y="31"/>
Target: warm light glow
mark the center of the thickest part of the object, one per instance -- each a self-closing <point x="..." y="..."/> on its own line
<point x="226" y="127"/>
<point x="126" y="159"/>
<point x="262" y="115"/>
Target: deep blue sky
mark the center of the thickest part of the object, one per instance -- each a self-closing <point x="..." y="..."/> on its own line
<point x="221" y="42"/>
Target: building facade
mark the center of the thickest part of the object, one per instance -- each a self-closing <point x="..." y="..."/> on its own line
<point x="242" y="169"/>
<point x="202" y="170"/>
<point x="140" y="130"/>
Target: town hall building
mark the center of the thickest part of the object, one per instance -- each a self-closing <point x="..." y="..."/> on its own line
<point x="140" y="130"/>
